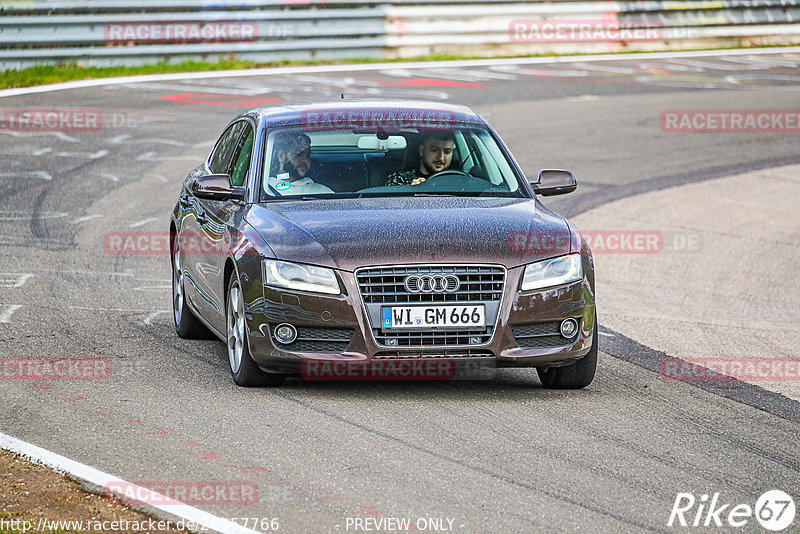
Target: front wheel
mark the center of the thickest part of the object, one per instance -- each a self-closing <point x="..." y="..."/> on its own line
<point x="187" y="325"/>
<point x="575" y="375"/>
<point x="244" y="370"/>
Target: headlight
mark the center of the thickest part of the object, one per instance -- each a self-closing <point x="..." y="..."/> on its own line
<point x="552" y="272"/>
<point x="300" y="277"/>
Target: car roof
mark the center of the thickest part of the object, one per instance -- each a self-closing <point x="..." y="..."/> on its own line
<point x="365" y="112"/>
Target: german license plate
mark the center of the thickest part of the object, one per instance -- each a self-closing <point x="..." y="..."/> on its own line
<point x="471" y="316"/>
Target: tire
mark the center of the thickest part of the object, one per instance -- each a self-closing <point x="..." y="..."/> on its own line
<point x="187" y="325"/>
<point x="575" y="375"/>
<point x="244" y="370"/>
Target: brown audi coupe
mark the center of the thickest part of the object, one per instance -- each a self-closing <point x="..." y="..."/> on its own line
<point x="379" y="240"/>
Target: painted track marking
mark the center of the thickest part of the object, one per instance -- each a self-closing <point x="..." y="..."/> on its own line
<point x="14" y="279"/>
<point x="100" y="479"/>
<point x="5" y="317"/>
<point x="143" y="222"/>
<point x="80" y="84"/>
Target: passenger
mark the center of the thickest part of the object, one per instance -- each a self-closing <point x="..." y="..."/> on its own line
<point x="291" y="165"/>
<point x="435" y="154"/>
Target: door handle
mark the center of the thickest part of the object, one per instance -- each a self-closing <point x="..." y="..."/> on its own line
<point x="201" y="217"/>
<point x="184" y="201"/>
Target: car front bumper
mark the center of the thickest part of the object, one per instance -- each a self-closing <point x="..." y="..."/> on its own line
<point x="337" y="330"/>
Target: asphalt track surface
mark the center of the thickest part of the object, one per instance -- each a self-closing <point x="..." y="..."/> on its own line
<point x="503" y="455"/>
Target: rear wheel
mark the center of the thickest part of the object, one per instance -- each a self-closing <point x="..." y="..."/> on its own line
<point x="187" y="325"/>
<point x="575" y="375"/>
<point x="244" y="370"/>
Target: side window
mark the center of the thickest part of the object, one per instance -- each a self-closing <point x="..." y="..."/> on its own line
<point x="462" y="150"/>
<point x="223" y="152"/>
<point x="487" y="162"/>
<point x="242" y="156"/>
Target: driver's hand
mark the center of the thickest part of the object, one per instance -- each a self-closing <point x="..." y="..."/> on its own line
<point x="417" y="181"/>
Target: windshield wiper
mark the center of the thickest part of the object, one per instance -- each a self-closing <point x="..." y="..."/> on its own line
<point x="437" y="195"/>
<point x="289" y="199"/>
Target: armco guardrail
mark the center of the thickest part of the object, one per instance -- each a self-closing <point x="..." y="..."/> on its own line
<point x="109" y="32"/>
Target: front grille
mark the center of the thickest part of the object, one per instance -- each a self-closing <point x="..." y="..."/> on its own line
<point x="430" y="338"/>
<point x="540" y="335"/>
<point x="386" y="284"/>
<point x="477" y="284"/>
<point x="317" y="339"/>
<point x="466" y="353"/>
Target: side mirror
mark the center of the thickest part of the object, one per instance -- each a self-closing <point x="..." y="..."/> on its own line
<point x="554" y="182"/>
<point x="216" y="187"/>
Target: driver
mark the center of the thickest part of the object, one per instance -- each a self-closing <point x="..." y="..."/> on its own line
<point x="435" y="154"/>
<point x="290" y="167"/>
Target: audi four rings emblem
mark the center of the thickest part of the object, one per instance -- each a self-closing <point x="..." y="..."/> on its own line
<point x="431" y="283"/>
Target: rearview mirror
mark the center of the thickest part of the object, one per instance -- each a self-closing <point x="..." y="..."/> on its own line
<point x="554" y="182"/>
<point x="216" y="187"/>
<point x="373" y="142"/>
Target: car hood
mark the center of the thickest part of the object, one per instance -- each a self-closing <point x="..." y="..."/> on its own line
<point x="351" y="233"/>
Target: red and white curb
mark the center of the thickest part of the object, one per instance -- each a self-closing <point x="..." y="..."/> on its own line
<point x="308" y="69"/>
<point x="203" y="520"/>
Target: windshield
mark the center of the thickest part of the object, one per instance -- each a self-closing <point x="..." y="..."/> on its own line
<point x="347" y="162"/>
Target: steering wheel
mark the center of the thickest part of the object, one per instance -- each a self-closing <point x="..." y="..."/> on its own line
<point x="451" y="180"/>
<point x="446" y="172"/>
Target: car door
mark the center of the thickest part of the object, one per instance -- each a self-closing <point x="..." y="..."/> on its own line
<point x="204" y="234"/>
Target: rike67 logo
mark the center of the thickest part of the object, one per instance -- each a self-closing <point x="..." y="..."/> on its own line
<point x="774" y="510"/>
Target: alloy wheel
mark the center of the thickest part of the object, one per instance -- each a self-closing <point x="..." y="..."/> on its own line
<point x="236" y="326"/>
<point x="177" y="286"/>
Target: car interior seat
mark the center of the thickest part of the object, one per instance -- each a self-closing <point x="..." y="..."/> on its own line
<point x="342" y="173"/>
<point x="380" y="168"/>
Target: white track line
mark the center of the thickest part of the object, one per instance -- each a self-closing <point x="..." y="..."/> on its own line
<point x="42" y="175"/>
<point x="80" y="84"/>
<point x="87" y="218"/>
<point x="100" y="479"/>
<point x="149" y="319"/>
<point x="60" y="135"/>
<point x="143" y="222"/>
<point x="14" y="279"/>
<point x="5" y="317"/>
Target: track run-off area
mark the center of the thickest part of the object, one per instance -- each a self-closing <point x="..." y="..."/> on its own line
<point x="498" y="455"/>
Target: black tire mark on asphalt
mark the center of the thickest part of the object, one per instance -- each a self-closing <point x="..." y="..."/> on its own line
<point x="631" y="351"/>
<point x="663" y="407"/>
<point x="37" y="226"/>
<point x="639" y="354"/>
<point x="574" y="206"/>
<point x="466" y="465"/>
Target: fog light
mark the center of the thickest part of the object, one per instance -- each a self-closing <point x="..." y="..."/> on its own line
<point x="569" y="327"/>
<point x="285" y="333"/>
